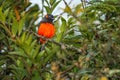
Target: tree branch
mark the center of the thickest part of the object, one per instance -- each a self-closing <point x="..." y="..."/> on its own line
<point x="72" y="13"/>
<point x="57" y="43"/>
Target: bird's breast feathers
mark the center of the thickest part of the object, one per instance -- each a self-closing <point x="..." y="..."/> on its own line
<point x="47" y="30"/>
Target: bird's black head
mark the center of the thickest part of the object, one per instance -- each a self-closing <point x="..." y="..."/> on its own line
<point x="48" y="18"/>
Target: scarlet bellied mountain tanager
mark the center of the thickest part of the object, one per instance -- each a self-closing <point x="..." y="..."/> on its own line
<point x="46" y="27"/>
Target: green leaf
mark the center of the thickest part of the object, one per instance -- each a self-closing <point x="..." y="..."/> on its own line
<point x="68" y="9"/>
<point x="47" y="2"/>
<point x="40" y="55"/>
<point x="47" y="76"/>
<point x="47" y="8"/>
<point x="36" y="51"/>
<point x="6" y="12"/>
<point x="33" y="43"/>
<point x="31" y="49"/>
<point x="55" y="4"/>
<point x="85" y="77"/>
<point x="62" y="29"/>
<point x="2" y="15"/>
<point x="2" y="36"/>
<point x="21" y="24"/>
<point x="36" y="75"/>
<point x="78" y="9"/>
<point x="52" y="2"/>
<point x="19" y="72"/>
<point x="18" y="52"/>
<point x="23" y="37"/>
<point x="29" y="39"/>
<point x="15" y="27"/>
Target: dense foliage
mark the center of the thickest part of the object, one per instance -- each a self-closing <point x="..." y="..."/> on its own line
<point x="86" y="45"/>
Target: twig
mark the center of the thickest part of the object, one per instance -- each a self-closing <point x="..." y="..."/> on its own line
<point x="57" y="43"/>
<point x="74" y="15"/>
<point x="42" y="7"/>
<point x="83" y="3"/>
<point x="30" y="25"/>
<point x="5" y="27"/>
<point x="59" y="16"/>
<point x="70" y="2"/>
<point x="70" y="68"/>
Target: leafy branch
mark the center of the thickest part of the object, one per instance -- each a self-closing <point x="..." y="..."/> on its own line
<point x="71" y="13"/>
<point x="62" y="45"/>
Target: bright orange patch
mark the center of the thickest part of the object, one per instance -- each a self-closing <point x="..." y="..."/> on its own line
<point x="47" y="30"/>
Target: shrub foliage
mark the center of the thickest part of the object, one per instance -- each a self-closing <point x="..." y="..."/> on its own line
<point x="85" y="47"/>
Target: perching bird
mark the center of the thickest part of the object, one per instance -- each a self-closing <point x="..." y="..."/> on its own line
<point x="46" y="28"/>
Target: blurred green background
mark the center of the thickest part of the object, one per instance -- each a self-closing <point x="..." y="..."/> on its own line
<point x="86" y="45"/>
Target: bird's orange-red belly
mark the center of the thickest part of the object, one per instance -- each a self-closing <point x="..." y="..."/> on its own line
<point x="47" y="30"/>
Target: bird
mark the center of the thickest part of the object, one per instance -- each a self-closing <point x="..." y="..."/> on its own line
<point x="46" y="28"/>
